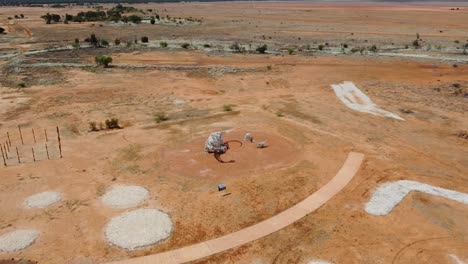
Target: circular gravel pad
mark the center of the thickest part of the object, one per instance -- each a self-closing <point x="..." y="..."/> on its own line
<point x="125" y="196"/>
<point x="44" y="199"/>
<point x="17" y="240"/>
<point x="138" y="228"/>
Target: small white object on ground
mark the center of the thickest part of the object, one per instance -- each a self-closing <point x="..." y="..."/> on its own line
<point x="138" y="228"/>
<point x="319" y="262"/>
<point x="388" y="195"/>
<point x="125" y="196"/>
<point x="248" y="137"/>
<point x="18" y="240"/>
<point x="42" y="200"/>
<point x="355" y="99"/>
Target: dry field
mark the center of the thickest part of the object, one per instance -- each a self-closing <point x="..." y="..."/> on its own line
<point x="285" y="99"/>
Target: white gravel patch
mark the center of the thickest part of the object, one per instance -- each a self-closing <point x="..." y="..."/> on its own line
<point x="18" y="240"/>
<point x="355" y="99"/>
<point x="125" y="196"/>
<point x="138" y="228"/>
<point x="42" y="200"/>
<point x="388" y="195"/>
<point x="319" y="262"/>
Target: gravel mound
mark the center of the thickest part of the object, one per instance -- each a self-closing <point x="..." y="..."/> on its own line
<point x="44" y="199"/>
<point x="17" y="240"/>
<point x="138" y="228"/>
<point x="125" y="196"/>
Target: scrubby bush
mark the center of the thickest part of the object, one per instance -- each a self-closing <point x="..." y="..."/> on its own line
<point x="104" y="43"/>
<point x="112" y="123"/>
<point x="163" y="44"/>
<point x="185" y="45"/>
<point x="416" y="44"/>
<point x="290" y="51"/>
<point x="144" y="39"/>
<point x="206" y="45"/>
<point x="93" y="126"/>
<point x="21" y="85"/>
<point x="152" y="21"/>
<point x="262" y="49"/>
<point x="161" y="117"/>
<point x="134" y="19"/>
<point x="2" y="30"/>
<point x="117" y="42"/>
<point x="320" y="47"/>
<point x="373" y="48"/>
<point x="227" y="108"/>
<point x="235" y="47"/>
<point x="103" y="60"/>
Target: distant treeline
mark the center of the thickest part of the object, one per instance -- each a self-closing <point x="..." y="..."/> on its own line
<point x="88" y="2"/>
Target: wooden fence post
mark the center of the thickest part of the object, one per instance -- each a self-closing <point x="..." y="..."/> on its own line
<point x="34" y="135"/>
<point x="3" y="156"/>
<point x="34" y="156"/>
<point x="8" y="147"/>
<point x="60" y="143"/>
<point x="21" y="135"/>
<point x="9" y="140"/>
<point x="17" y="155"/>
<point x="47" y="151"/>
<point x="45" y="132"/>
<point x="4" y="149"/>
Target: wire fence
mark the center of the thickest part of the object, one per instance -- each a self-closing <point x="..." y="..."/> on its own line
<point x="25" y="145"/>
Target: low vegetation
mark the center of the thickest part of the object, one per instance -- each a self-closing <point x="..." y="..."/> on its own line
<point x="262" y="49"/>
<point x="109" y="124"/>
<point x="103" y="60"/>
<point x="227" y="108"/>
<point x="163" y="44"/>
<point x="185" y="45"/>
<point x="161" y="117"/>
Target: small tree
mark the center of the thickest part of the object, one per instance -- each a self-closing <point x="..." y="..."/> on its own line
<point x="163" y="44"/>
<point x="290" y="51"/>
<point x="103" y="60"/>
<point x="262" y="49"/>
<point x="144" y="39"/>
<point x="94" y="41"/>
<point x="373" y="48"/>
<point x="104" y="43"/>
<point x="152" y="21"/>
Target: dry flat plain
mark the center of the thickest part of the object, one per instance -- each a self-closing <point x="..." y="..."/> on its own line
<point x="284" y="96"/>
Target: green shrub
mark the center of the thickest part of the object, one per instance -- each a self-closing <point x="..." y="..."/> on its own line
<point x="320" y="47"/>
<point x="112" y="123"/>
<point x="227" y="108"/>
<point x="75" y="45"/>
<point x="290" y="51"/>
<point x="185" y="45"/>
<point x="104" y="43"/>
<point x="373" y="48"/>
<point x="262" y="49"/>
<point x="21" y="85"/>
<point x="161" y="117"/>
<point x="163" y="44"/>
<point x="93" y="126"/>
<point x="103" y="60"/>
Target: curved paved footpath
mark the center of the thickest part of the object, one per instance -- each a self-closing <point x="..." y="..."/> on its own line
<point x="262" y="229"/>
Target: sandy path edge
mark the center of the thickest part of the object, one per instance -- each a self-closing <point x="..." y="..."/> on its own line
<point x="262" y="229"/>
